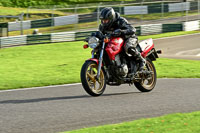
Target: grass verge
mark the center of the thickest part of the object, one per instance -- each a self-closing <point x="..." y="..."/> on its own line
<point x="41" y="65"/>
<point x="173" y="123"/>
<point x="35" y="14"/>
<point x="177" y="68"/>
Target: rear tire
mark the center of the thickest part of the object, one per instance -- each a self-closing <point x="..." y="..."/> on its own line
<point x="89" y="81"/>
<point x="147" y="85"/>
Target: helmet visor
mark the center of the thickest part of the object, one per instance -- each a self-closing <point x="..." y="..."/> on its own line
<point x="105" y="21"/>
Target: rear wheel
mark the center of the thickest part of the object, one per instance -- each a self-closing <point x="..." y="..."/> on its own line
<point x="148" y="82"/>
<point x="91" y="85"/>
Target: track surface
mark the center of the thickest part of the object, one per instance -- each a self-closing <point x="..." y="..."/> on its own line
<point x="55" y="109"/>
<point x="182" y="47"/>
<point x="62" y="108"/>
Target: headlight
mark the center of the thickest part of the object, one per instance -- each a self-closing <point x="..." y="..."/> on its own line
<point x="93" y="42"/>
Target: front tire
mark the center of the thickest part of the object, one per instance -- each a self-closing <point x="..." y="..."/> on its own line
<point x="89" y="81"/>
<point x="148" y="84"/>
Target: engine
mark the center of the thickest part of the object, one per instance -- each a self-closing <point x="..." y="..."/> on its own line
<point x="122" y="68"/>
<point x="123" y="71"/>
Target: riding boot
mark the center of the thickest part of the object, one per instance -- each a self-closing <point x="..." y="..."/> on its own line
<point x="142" y="62"/>
<point x="138" y="57"/>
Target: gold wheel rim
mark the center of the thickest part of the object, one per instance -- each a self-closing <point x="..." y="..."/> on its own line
<point x="94" y="85"/>
<point x="148" y="83"/>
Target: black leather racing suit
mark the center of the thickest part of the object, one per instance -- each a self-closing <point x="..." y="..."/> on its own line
<point x="127" y="32"/>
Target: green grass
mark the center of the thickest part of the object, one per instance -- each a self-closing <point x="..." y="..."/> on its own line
<point x="173" y="123"/>
<point x="35" y="14"/>
<point x="41" y="65"/>
<point x="177" y="68"/>
<point x="27" y="3"/>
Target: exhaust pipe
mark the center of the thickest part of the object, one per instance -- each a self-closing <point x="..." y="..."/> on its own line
<point x="159" y="51"/>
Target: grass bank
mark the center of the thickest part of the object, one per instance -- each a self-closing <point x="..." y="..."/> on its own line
<point x="60" y="63"/>
<point x="41" y="65"/>
<point x="27" y="3"/>
<point x="173" y="123"/>
<point x="33" y="14"/>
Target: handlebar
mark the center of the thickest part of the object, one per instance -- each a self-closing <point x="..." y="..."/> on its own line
<point x="101" y="36"/>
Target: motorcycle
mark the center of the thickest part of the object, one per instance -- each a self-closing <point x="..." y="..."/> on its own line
<point x="111" y="65"/>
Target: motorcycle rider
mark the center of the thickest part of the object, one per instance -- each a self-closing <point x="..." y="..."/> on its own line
<point x="111" y="22"/>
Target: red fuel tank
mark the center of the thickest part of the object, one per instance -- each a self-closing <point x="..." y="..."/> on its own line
<point x="114" y="47"/>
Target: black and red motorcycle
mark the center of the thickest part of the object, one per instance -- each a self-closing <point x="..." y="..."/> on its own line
<point x="111" y="65"/>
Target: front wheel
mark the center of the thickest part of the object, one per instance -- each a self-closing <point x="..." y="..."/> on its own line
<point x="91" y="85"/>
<point x="147" y="84"/>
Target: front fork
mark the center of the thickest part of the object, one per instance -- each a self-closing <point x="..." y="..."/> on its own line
<point x="100" y="60"/>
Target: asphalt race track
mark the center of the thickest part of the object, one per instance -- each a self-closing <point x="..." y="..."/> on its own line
<point x="54" y="109"/>
<point x="182" y="47"/>
<point x="67" y="107"/>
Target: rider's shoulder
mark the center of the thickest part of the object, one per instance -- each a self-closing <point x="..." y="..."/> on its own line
<point x="120" y="20"/>
<point x="123" y="20"/>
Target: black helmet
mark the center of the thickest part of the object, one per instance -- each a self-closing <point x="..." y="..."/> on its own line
<point x="107" y="16"/>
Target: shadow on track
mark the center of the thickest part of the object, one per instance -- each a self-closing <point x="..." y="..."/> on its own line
<point x="60" y="98"/>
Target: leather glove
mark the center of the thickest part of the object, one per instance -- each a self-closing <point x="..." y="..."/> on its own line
<point x="117" y="32"/>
